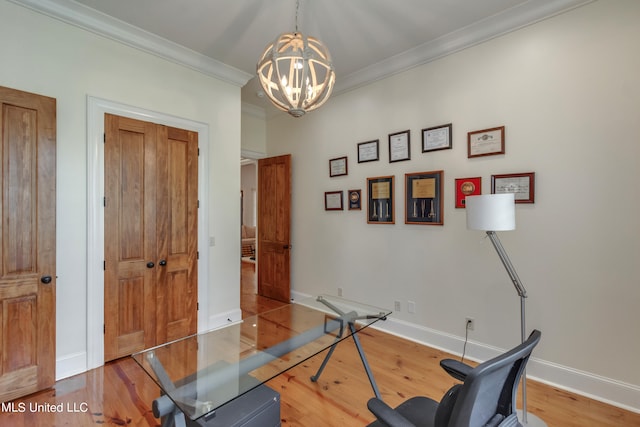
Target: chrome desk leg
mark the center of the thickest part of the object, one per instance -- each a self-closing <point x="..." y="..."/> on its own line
<point x="363" y="358"/>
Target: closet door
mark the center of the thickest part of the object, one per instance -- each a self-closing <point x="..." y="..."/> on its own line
<point x="151" y="216"/>
<point x="130" y="236"/>
<point x="27" y="250"/>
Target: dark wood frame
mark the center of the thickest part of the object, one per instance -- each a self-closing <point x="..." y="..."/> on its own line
<point x="418" y="214"/>
<point x="461" y="194"/>
<point x="425" y="131"/>
<point x="528" y="198"/>
<point x="328" y="193"/>
<point x="386" y="205"/>
<point x="346" y="166"/>
<point x="408" y="145"/>
<point x="377" y="144"/>
<point x="486" y="131"/>
<point x="354" y="204"/>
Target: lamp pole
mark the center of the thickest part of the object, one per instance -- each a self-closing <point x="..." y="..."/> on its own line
<point x="522" y="292"/>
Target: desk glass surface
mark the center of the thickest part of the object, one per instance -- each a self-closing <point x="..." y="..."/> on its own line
<point x="202" y="372"/>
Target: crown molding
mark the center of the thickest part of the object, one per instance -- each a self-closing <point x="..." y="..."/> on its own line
<point x="96" y="22"/>
<point x="494" y="26"/>
<point x="505" y="22"/>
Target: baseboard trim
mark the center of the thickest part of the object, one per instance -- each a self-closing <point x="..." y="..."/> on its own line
<point x="606" y="390"/>
<point x="223" y="319"/>
<point x="70" y="365"/>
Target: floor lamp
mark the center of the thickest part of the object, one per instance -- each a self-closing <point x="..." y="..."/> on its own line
<point x="491" y="213"/>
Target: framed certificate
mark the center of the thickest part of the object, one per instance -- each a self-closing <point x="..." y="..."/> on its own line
<point x="333" y="201"/>
<point x="437" y="138"/>
<point x="338" y="166"/>
<point x="487" y="142"/>
<point x="521" y="184"/>
<point x="355" y="202"/>
<point x="423" y="198"/>
<point x="368" y="151"/>
<point x="399" y="146"/>
<point x="467" y="187"/>
<point x="381" y="192"/>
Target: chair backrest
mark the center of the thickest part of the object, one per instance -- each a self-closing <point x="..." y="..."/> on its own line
<point x="488" y="394"/>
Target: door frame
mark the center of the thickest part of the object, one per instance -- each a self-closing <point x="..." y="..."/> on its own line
<point x="96" y="109"/>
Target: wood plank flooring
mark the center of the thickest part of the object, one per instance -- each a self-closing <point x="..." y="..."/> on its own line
<point x="120" y="393"/>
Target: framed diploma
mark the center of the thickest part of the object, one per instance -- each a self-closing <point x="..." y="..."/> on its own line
<point x="467" y="187"/>
<point x="521" y="184"/>
<point x="368" y="151"/>
<point x="333" y="201"/>
<point x="338" y="166"/>
<point x="437" y="138"/>
<point x="423" y="198"/>
<point x="399" y="146"/>
<point x="355" y="202"/>
<point x="381" y="192"/>
<point x="487" y="142"/>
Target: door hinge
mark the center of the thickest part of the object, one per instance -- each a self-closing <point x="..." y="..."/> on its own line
<point x="104" y="329"/>
<point x="104" y="202"/>
<point x="198" y="151"/>
<point x="197" y="306"/>
<point x="104" y="137"/>
<point x="104" y="265"/>
<point x="198" y="255"/>
<point x="198" y="204"/>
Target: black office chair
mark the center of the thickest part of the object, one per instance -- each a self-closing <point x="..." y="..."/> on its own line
<point x="486" y="397"/>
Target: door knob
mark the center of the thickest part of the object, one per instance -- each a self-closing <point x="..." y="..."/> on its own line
<point x="150" y="264"/>
<point x="45" y="279"/>
<point x="163" y="262"/>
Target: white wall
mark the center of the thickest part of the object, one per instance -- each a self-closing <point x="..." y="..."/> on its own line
<point x="49" y="57"/>
<point x="567" y="91"/>
<point x="249" y="186"/>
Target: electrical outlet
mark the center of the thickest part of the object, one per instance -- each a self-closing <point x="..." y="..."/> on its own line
<point x="339" y="292"/>
<point x="411" y="307"/>
<point x="470" y="323"/>
<point x="396" y="306"/>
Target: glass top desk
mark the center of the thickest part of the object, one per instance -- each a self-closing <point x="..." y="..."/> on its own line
<point x="200" y="373"/>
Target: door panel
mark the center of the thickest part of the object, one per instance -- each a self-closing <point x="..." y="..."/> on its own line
<point x="27" y="250"/>
<point x="274" y="218"/>
<point x="130" y="235"/>
<point x="177" y="233"/>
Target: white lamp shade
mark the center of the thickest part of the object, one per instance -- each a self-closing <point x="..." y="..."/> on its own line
<point x="491" y="212"/>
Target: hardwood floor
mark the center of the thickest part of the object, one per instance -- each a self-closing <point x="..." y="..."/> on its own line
<point x="120" y="393"/>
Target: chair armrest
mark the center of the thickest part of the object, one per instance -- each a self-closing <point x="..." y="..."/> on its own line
<point x="386" y="414"/>
<point x="456" y="369"/>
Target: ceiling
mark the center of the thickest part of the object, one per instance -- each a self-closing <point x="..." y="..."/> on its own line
<point x="367" y="39"/>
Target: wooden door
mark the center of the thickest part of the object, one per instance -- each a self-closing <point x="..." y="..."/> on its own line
<point x="130" y="236"/>
<point x="177" y="213"/>
<point x="274" y="221"/>
<point x="151" y="185"/>
<point x="27" y="251"/>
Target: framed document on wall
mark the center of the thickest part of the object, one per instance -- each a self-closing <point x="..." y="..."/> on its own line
<point x="368" y="151"/>
<point x="521" y="184"/>
<point x="486" y="142"/>
<point x="437" y="138"/>
<point x="333" y="201"/>
<point x="380" y="196"/>
<point x="423" y="198"/>
<point x="399" y="146"/>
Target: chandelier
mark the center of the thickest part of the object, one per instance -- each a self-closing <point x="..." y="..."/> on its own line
<point x="296" y="73"/>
